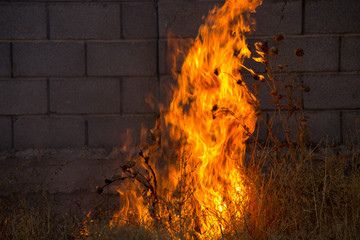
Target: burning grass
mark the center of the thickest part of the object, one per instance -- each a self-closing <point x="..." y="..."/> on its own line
<point x="316" y="197"/>
<point x="211" y="177"/>
<point x="220" y="181"/>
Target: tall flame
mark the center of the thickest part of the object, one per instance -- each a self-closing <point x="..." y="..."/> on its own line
<point x="212" y="108"/>
<point x="212" y="114"/>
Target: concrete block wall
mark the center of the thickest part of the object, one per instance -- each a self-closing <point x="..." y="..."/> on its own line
<point x="77" y="72"/>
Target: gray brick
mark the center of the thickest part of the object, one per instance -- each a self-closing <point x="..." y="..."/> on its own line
<point x="51" y="59"/>
<point x="54" y="132"/>
<point x="350" y="53"/>
<point x="139" y="20"/>
<point x="278" y="17"/>
<point x="23" y="97"/>
<point x="84" y="21"/>
<point x="22" y="21"/>
<point x="5" y="65"/>
<point x="320" y="53"/>
<point x="137" y="58"/>
<point x="182" y="18"/>
<point x="164" y="58"/>
<point x="351" y="126"/>
<point x="140" y="95"/>
<point x="5" y="133"/>
<point x="112" y="131"/>
<point x="85" y="95"/>
<point x="336" y="16"/>
<point x="323" y="126"/>
<point x="330" y="91"/>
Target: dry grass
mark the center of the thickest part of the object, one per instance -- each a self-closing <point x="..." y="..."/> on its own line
<point x="19" y="221"/>
<point x="313" y="198"/>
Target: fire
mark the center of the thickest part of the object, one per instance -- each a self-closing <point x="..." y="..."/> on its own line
<point x="211" y="115"/>
<point x="212" y="108"/>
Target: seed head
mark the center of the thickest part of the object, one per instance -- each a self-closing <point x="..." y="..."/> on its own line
<point x="264" y="47"/>
<point x="239" y="82"/>
<point x="274" y="51"/>
<point x="299" y="52"/>
<point x="279" y="38"/>
<point x="108" y="181"/>
<point x="214" y="108"/>
<point x="99" y="190"/>
<point x="304" y="88"/>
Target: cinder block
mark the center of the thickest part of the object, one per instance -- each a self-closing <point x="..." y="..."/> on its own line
<point x="51" y="59"/>
<point x="351" y="126"/>
<point x="136" y="58"/>
<point x="350" y="53"/>
<point x="336" y="16"/>
<point x="329" y="91"/>
<point x="164" y="58"/>
<point x="140" y="95"/>
<point x="81" y="96"/>
<point x="84" y="21"/>
<point x="117" y="131"/>
<point x="323" y="126"/>
<point x="320" y="53"/>
<point x="5" y="133"/>
<point x="274" y="17"/>
<point x="23" y="97"/>
<point x="182" y="19"/>
<point x="5" y="65"/>
<point x="22" y="21"/>
<point x="53" y="132"/>
<point x="139" y="20"/>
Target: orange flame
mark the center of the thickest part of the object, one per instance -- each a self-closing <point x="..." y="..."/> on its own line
<point x="213" y="109"/>
<point x="212" y="113"/>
